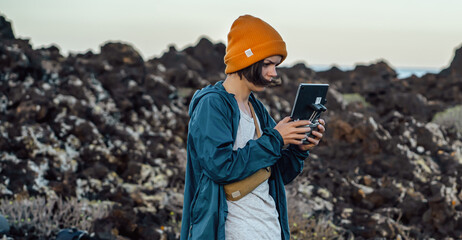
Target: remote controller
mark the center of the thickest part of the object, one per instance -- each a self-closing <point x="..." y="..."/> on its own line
<point x="312" y="126"/>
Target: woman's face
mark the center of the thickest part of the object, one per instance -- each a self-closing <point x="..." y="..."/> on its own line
<point x="268" y="70"/>
<point x="269" y="67"/>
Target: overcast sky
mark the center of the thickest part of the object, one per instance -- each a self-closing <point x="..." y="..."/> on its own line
<point x="405" y="33"/>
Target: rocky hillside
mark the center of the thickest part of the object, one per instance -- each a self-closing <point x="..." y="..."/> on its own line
<point x="111" y="126"/>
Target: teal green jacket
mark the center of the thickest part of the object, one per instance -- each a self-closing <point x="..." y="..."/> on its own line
<point x="212" y="163"/>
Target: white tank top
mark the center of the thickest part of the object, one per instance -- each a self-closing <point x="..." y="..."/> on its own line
<point x="253" y="216"/>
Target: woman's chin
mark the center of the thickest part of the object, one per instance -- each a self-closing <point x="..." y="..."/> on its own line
<point x="259" y="88"/>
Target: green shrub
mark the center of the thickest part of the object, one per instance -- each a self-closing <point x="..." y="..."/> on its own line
<point x="43" y="218"/>
<point x="355" y="98"/>
<point x="450" y="118"/>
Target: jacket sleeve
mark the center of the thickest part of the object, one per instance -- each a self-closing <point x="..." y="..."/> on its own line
<point x="211" y="136"/>
<point x="292" y="158"/>
<point x="291" y="163"/>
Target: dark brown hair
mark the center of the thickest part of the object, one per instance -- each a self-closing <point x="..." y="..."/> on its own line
<point x="253" y="73"/>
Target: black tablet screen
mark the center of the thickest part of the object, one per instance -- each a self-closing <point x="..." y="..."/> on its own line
<point x="307" y="95"/>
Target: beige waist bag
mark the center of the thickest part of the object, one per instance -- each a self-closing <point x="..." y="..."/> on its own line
<point x="237" y="190"/>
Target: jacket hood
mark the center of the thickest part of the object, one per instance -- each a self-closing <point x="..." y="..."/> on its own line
<point x="217" y="88"/>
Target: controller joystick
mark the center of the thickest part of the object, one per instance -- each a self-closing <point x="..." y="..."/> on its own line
<point x="312" y="126"/>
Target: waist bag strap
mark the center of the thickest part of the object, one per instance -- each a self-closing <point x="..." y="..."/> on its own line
<point x="237" y="190"/>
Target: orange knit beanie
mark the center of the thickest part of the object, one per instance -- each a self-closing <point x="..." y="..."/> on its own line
<point x="251" y="40"/>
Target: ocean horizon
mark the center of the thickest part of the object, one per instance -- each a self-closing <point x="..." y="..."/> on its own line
<point x="403" y="72"/>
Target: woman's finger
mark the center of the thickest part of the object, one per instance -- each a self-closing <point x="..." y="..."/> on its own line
<point x="302" y="130"/>
<point x="286" y="119"/>
<point x="295" y="141"/>
<point x="313" y="140"/>
<point x="317" y="134"/>
<point x="300" y="123"/>
<point x="321" y="128"/>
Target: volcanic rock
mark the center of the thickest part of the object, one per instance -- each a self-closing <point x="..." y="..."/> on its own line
<point x="6" y="32"/>
<point x="113" y="127"/>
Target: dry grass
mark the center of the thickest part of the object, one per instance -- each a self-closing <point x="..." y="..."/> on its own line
<point x="43" y="218"/>
<point x="315" y="228"/>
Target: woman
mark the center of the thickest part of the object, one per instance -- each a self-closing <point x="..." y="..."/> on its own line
<point x="231" y="136"/>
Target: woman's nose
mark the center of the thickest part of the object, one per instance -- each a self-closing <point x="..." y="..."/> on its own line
<point x="273" y="72"/>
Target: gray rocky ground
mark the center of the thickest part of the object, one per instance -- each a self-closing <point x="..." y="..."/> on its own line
<point x="111" y="126"/>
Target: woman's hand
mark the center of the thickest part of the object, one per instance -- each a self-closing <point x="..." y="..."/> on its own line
<point x="292" y="132"/>
<point x="318" y="135"/>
